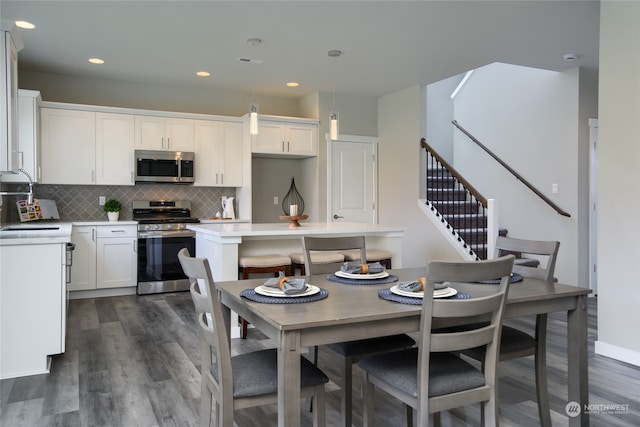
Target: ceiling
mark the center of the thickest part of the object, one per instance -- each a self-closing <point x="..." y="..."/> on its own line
<point x="386" y="45"/>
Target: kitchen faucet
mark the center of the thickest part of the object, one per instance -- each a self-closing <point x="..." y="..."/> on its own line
<point x="28" y="194"/>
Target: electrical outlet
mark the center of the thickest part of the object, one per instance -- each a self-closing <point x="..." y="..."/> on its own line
<point x="554" y="188"/>
<point x="275" y="200"/>
<point x="101" y="200"/>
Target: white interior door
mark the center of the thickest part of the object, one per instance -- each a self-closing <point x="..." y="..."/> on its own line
<point x="352" y="183"/>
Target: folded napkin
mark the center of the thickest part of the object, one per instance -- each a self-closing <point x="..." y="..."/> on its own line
<point x="418" y="285"/>
<point x="356" y="268"/>
<point x="289" y="286"/>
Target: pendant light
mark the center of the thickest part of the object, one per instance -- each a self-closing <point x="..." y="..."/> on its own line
<point x="253" y="119"/>
<point x="253" y="107"/>
<point x="333" y="114"/>
<point x="333" y="125"/>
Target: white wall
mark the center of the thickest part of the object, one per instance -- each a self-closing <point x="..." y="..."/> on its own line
<point x="529" y="119"/>
<point x="439" y="116"/>
<point x="619" y="182"/>
<point x="400" y="117"/>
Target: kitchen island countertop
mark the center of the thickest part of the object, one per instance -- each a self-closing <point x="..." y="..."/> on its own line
<point x="282" y="229"/>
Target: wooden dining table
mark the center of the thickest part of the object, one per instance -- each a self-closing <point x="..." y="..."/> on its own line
<point x="356" y="311"/>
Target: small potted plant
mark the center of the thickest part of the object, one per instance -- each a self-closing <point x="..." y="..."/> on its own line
<point x="112" y="208"/>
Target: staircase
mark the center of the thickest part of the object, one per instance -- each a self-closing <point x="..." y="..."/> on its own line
<point x="464" y="215"/>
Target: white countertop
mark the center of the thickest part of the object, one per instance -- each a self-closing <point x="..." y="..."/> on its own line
<point x="222" y="221"/>
<point x="35" y="233"/>
<point x="281" y="229"/>
<point x="106" y="222"/>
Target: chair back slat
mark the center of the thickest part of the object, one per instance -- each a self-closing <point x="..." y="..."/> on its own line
<point x="212" y="327"/>
<point x="456" y="341"/>
<point x="466" y="308"/>
<point x="544" y="251"/>
<point x="312" y="244"/>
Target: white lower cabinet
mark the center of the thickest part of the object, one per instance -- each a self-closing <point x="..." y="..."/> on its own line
<point x="116" y="266"/>
<point x="105" y="257"/>
<point x="83" y="268"/>
<point x="32" y="307"/>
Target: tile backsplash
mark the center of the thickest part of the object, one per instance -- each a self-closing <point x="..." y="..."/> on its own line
<point x="80" y="202"/>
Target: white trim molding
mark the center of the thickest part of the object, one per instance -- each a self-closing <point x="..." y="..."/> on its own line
<point x="616" y="352"/>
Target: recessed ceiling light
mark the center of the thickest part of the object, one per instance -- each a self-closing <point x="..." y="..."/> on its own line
<point x="293" y="84"/>
<point x="203" y="74"/>
<point x="96" y="60"/>
<point x="25" y="25"/>
<point x="570" y="57"/>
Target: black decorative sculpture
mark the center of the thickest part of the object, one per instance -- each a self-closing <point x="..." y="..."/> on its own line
<point x="293" y="205"/>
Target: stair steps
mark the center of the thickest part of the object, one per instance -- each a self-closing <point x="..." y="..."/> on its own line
<point x="446" y="195"/>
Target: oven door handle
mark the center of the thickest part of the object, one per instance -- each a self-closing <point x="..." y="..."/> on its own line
<point x="166" y="234"/>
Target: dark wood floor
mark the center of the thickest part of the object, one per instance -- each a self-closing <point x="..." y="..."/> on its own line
<point x="133" y="361"/>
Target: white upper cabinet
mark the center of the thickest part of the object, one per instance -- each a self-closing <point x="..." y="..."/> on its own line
<point x="285" y="139"/>
<point x="163" y="133"/>
<point x="29" y="138"/>
<point x="85" y="147"/>
<point x="218" y="148"/>
<point x="8" y="103"/>
<point x="68" y="146"/>
<point x="114" y="149"/>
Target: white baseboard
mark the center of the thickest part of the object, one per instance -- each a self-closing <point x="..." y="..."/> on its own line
<point x="100" y="293"/>
<point x="619" y="353"/>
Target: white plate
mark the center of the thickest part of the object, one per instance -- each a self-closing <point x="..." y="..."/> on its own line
<point x="269" y="291"/>
<point x="362" y="276"/>
<point x="440" y="293"/>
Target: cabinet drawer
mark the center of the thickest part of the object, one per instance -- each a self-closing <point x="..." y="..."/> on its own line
<point x="117" y="231"/>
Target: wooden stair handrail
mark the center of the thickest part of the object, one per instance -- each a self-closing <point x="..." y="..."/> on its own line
<point x="466" y="184"/>
<point x="513" y="172"/>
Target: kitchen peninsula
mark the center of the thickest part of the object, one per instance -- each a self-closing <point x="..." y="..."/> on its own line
<point x="222" y="244"/>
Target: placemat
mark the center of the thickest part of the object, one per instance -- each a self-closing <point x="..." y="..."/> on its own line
<point x="389" y="279"/>
<point x="252" y="295"/>
<point x="390" y="296"/>
<point x="515" y="277"/>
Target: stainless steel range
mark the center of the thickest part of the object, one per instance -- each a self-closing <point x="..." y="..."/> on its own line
<point x="161" y="234"/>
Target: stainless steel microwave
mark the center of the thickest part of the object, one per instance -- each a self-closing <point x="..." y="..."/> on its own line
<point x="165" y="166"/>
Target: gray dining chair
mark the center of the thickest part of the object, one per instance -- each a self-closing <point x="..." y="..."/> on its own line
<point x="537" y="260"/>
<point x="433" y="377"/>
<point x="242" y="381"/>
<point x="352" y="351"/>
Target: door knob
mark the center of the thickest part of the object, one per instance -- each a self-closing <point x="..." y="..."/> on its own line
<point x="337" y="216"/>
